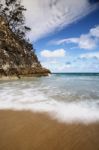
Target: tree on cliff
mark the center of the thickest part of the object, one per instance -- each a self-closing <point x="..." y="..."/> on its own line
<point x="13" y="12"/>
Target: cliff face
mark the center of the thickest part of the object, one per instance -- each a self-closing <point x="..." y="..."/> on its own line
<point x="17" y="57"/>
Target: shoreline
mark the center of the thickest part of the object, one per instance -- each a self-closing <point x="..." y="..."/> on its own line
<point x="8" y="78"/>
<point x="24" y="130"/>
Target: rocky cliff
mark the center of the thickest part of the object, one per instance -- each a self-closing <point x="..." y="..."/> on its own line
<point x="17" y="57"/>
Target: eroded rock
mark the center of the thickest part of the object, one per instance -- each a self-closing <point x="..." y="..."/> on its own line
<point x="17" y="57"/>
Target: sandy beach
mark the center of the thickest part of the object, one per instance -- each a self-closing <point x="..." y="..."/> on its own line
<point x="33" y="131"/>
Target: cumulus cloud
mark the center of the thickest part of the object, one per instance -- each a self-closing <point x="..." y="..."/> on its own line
<point x="85" y="41"/>
<point x="56" y="66"/>
<point x="95" y="31"/>
<point x="86" y="62"/>
<point x="45" y="16"/>
<point x="52" y="54"/>
<point x="90" y="56"/>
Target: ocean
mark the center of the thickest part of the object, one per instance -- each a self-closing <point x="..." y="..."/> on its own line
<point x="67" y="97"/>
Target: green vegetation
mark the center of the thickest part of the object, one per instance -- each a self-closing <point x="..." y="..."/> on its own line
<point x="13" y="12"/>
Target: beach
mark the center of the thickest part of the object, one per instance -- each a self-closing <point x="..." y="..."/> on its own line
<point x="59" y="112"/>
<point x="49" y="75"/>
<point x="24" y="130"/>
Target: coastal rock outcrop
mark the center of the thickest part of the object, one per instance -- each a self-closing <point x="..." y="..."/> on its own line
<point x="17" y="56"/>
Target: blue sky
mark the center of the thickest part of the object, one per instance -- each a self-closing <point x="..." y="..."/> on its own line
<point x="65" y="34"/>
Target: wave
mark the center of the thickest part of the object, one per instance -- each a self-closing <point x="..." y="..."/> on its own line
<point x="80" y="112"/>
<point x="66" y="101"/>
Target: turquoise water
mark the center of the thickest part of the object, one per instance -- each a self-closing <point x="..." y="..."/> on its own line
<point x="67" y="97"/>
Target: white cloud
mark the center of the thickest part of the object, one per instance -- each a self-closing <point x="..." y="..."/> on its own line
<point x="45" y="16"/>
<point x="68" y="40"/>
<point x="85" y="41"/>
<point x="56" y="66"/>
<point x="52" y="54"/>
<point x="87" y="62"/>
<point x="90" y="55"/>
<point x="95" y="31"/>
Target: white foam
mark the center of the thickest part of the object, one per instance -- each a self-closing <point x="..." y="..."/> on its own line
<point x="32" y="98"/>
<point x="63" y="112"/>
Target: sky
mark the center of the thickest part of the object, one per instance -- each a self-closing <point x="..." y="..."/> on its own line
<point x="65" y="33"/>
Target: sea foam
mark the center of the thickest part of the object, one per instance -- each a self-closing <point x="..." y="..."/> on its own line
<point x="37" y="96"/>
<point x="81" y="112"/>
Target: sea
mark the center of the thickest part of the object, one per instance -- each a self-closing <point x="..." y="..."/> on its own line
<point x="66" y="97"/>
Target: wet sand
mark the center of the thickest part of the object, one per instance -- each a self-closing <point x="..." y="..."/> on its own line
<point x="32" y="131"/>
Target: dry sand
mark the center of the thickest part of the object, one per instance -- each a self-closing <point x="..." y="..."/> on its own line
<point x="31" y="131"/>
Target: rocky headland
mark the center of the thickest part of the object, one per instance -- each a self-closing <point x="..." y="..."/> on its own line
<point x="17" y="56"/>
